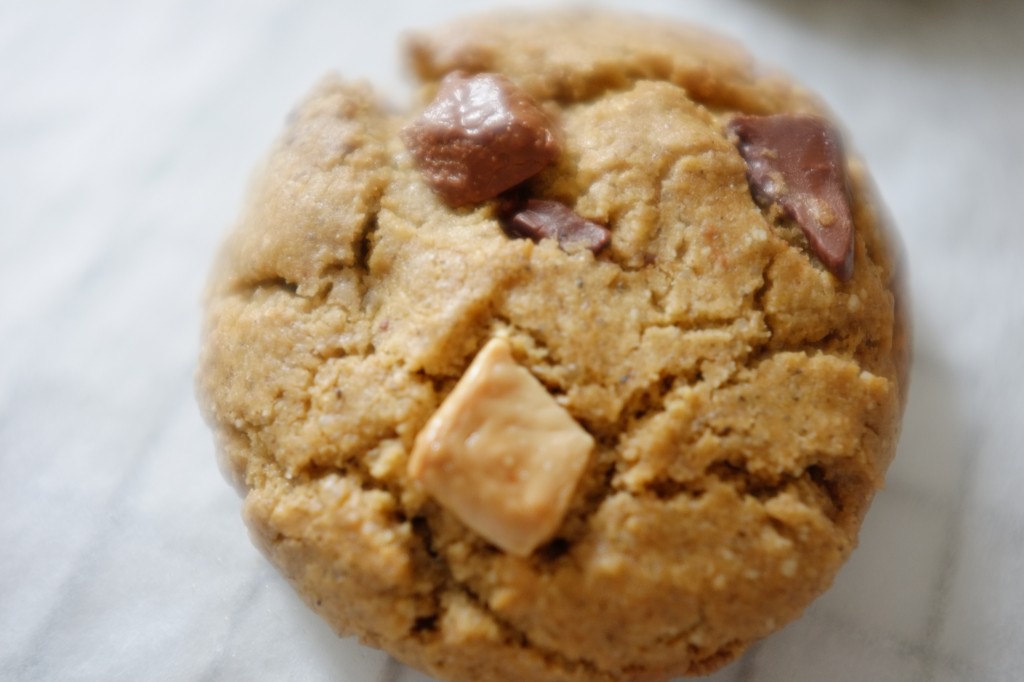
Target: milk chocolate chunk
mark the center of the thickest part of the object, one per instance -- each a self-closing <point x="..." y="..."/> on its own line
<point x="501" y="454"/>
<point x="539" y="219"/>
<point x="480" y="136"/>
<point x="797" y="163"/>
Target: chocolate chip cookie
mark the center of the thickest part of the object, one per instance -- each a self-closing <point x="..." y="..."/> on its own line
<point x="585" y="368"/>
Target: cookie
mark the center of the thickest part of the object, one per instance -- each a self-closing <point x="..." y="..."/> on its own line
<point x="584" y="368"/>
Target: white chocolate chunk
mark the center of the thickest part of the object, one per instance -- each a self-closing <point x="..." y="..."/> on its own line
<point x="501" y="454"/>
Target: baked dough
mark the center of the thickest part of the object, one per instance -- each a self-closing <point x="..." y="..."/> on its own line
<point x="743" y="402"/>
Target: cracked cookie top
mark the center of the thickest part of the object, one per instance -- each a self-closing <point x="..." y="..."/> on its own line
<point x="728" y="392"/>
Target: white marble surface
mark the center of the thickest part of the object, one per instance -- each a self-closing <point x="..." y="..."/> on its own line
<point x="126" y="133"/>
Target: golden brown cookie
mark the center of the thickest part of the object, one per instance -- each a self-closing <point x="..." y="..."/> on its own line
<point x="584" y="369"/>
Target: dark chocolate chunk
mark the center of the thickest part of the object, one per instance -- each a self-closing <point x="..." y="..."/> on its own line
<point x="797" y="162"/>
<point x="480" y="136"/>
<point x="538" y="219"/>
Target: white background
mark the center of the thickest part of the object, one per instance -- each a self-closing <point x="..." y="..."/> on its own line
<point x="127" y="130"/>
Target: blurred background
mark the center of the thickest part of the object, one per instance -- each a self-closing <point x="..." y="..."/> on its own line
<point x="127" y="132"/>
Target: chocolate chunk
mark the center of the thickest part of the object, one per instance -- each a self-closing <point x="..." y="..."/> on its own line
<point x="480" y="136"/>
<point x="797" y="163"/>
<point x="540" y="218"/>
<point x="501" y="454"/>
